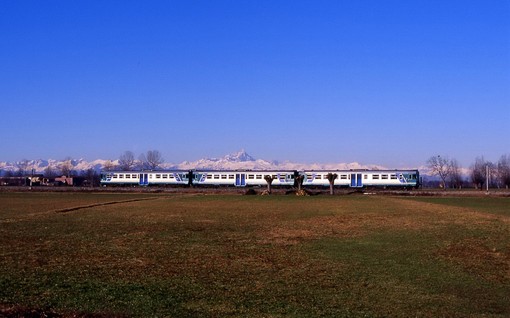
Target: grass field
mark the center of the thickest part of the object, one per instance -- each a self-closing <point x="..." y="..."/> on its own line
<point x="192" y="255"/>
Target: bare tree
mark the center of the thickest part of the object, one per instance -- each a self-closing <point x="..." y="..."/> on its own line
<point x="127" y="161"/>
<point x="298" y="180"/>
<point x="66" y="167"/>
<point x="331" y="178"/>
<point x="478" y="172"/>
<point x="504" y="170"/>
<point x="109" y="165"/>
<point x="49" y="171"/>
<point x="91" y="176"/>
<point x="23" y="166"/>
<point x="440" y="166"/>
<point x="152" y="160"/>
<point x="455" y="174"/>
<point x="269" y="179"/>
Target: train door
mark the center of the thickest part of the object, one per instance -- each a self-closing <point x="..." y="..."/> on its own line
<point x="240" y="179"/>
<point x="356" y="180"/>
<point x="144" y="178"/>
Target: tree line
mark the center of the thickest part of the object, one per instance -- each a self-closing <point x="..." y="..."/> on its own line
<point x="151" y="160"/>
<point x="24" y="168"/>
<point x="449" y="171"/>
<point x="480" y="172"/>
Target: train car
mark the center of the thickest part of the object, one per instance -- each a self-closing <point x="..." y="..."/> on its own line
<point x="319" y="178"/>
<point x="145" y="178"/>
<point x="243" y="178"/>
<point x="363" y="178"/>
<point x="392" y="179"/>
<point x="250" y="178"/>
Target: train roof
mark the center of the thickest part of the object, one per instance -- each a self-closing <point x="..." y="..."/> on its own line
<point x="244" y="170"/>
<point x="145" y="171"/>
<point x="358" y="170"/>
<point x="261" y="170"/>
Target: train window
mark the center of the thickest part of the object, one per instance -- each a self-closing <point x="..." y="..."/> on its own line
<point x="259" y="176"/>
<point x="318" y="176"/>
<point x="115" y="176"/>
<point x="365" y="176"/>
<point x="393" y="176"/>
<point x="274" y="176"/>
<point x="134" y="176"/>
<point x="121" y="176"/>
<point x="216" y="176"/>
<point x="164" y="176"/>
<point x="309" y="176"/>
<point x="251" y="176"/>
<point x="158" y="176"/>
<point x="384" y="176"/>
<point x="223" y="176"/>
<point x="171" y="176"/>
<point x="343" y="176"/>
<point x="375" y="176"/>
<point x="231" y="176"/>
<point x="128" y="176"/>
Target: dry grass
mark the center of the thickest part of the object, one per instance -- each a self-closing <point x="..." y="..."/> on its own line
<point x="199" y="255"/>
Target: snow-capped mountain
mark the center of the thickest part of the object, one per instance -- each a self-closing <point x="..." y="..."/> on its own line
<point x="239" y="156"/>
<point x="233" y="161"/>
<point x="242" y="160"/>
<point x="42" y="165"/>
<point x="238" y="160"/>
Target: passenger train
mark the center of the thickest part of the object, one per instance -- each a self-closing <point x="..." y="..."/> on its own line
<point x="252" y="178"/>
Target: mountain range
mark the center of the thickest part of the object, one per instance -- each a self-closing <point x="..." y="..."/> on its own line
<point x="233" y="161"/>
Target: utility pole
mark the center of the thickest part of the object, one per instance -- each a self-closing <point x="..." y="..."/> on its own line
<point x="31" y="178"/>
<point x="487" y="177"/>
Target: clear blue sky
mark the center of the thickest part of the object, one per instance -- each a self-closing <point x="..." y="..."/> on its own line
<point x="382" y="82"/>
